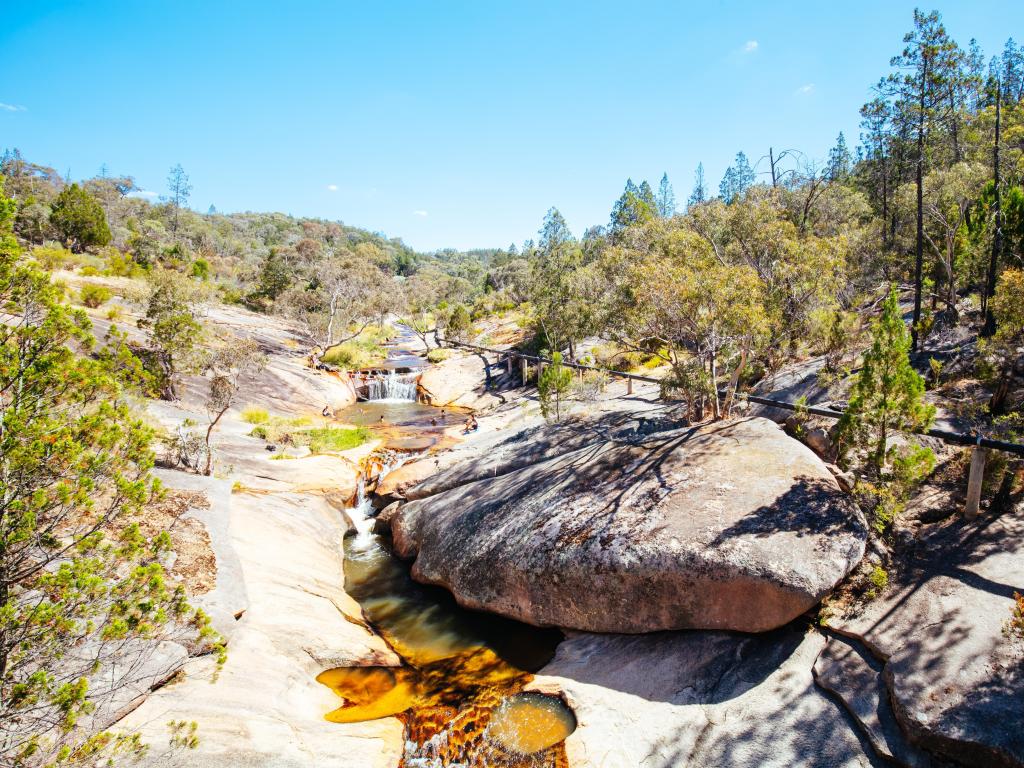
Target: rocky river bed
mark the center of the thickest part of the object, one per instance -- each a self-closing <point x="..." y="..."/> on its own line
<point x="536" y="611"/>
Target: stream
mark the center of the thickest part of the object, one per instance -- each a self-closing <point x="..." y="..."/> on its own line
<point x="460" y="689"/>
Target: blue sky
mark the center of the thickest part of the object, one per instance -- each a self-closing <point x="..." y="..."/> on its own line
<point x="443" y="123"/>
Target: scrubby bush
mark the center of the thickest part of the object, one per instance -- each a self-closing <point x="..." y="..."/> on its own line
<point x="200" y="269"/>
<point x="438" y="355"/>
<point x="350" y="356"/>
<point x="52" y="256"/>
<point x="336" y="439"/>
<point x="93" y="296"/>
<point x="253" y="415"/>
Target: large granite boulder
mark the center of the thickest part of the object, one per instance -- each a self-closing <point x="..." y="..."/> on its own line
<point x="728" y="526"/>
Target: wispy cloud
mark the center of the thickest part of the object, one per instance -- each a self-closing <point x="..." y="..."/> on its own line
<point x="421" y="214"/>
<point x="12" y="107"/>
<point x="803" y="90"/>
<point x="750" y="46"/>
<point x="144" y="193"/>
<point x="332" y="187"/>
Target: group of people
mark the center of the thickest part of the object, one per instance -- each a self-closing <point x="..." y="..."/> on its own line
<point x="470" y="425"/>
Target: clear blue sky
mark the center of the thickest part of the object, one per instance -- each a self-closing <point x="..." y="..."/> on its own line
<point x="446" y="124"/>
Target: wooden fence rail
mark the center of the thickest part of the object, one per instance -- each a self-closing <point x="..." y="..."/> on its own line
<point x="981" y="445"/>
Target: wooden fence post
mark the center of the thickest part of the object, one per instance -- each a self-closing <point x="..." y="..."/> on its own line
<point x="977" y="474"/>
<point x="508" y="360"/>
<point x="526" y="370"/>
<point x="629" y="386"/>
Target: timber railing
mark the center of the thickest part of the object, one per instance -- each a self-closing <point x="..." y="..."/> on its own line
<point x="980" y="444"/>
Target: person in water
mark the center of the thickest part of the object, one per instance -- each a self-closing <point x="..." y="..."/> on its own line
<point x="471" y="424"/>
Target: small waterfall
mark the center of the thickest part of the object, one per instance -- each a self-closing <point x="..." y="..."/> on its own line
<point x="392" y="386"/>
<point x="361" y="513"/>
<point x="361" y="517"/>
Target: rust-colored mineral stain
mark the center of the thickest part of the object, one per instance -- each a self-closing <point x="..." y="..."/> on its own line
<point x="459" y="691"/>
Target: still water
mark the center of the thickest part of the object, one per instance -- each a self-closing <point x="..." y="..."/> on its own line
<point x="459" y="691"/>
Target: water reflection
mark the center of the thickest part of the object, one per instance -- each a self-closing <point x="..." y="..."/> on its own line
<point x="459" y="691"/>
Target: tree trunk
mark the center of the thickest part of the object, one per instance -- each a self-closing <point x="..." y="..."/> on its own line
<point x="734" y="381"/>
<point x="208" y="470"/>
<point x="919" y="245"/>
<point x="716" y="406"/>
<point x="997" y="236"/>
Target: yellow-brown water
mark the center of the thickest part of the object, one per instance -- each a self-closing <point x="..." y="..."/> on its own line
<point x="459" y="689"/>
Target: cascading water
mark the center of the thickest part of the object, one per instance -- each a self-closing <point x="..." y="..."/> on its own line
<point x="459" y="691"/>
<point x="393" y="387"/>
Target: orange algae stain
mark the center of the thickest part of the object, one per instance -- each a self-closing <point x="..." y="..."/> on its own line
<point x="466" y="709"/>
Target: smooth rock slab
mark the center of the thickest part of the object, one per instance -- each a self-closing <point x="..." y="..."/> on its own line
<point x="727" y="526"/>
<point x="701" y="700"/>
<point x="955" y="678"/>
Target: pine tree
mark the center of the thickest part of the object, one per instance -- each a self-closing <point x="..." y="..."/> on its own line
<point x="552" y="386"/>
<point x="700" y="191"/>
<point x="839" y="159"/>
<point x="79" y="219"/>
<point x="738" y="178"/>
<point x="631" y="209"/>
<point x="646" y="194"/>
<point x="888" y="394"/>
<point x="180" y="188"/>
<point x="666" y="199"/>
<point x="917" y="86"/>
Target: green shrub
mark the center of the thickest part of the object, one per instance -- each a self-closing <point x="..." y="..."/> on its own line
<point x="200" y="269"/>
<point x="88" y="271"/>
<point x="121" y="264"/>
<point x="336" y="439"/>
<point x="287" y="431"/>
<point x="352" y="355"/>
<point x="879" y="579"/>
<point x="438" y="355"/>
<point x="94" y="296"/>
<point x="52" y="256"/>
<point x="253" y="415"/>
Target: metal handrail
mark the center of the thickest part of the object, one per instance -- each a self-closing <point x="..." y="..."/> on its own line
<point x="947" y="436"/>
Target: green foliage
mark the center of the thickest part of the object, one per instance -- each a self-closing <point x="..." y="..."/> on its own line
<point x="92" y="295"/>
<point x="52" y="256"/>
<point x="254" y="415"/>
<point x="1002" y="351"/>
<point x="361" y="352"/>
<point x="879" y="580"/>
<point x="330" y="439"/>
<point x="79" y="219"/>
<point x="274" y="277"/>
<point x="888" y="395"/>
<point x="76" y="571"/>
<point x="438" y="355"/>
<point x="183" y="734"/>
<point x="454" y="322"/>
<point x="121" y="264"/>
<point x="552" y="387"/>
<point x="200" y="269"/>
<point x="175" y="334"/>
